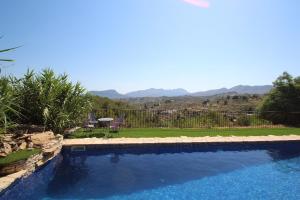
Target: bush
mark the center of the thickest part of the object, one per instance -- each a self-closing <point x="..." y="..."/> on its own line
<point x="43" y="99"/>
<point x="282" y="104"/>
<point x="8" y="104"/>
<point x="52" y="101"/>
<point x="244" y="121"/>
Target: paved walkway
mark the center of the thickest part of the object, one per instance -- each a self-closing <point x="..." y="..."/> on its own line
<point x="172" y="140"/>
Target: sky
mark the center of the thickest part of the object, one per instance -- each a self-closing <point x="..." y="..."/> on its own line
<point x="138" y="44"/>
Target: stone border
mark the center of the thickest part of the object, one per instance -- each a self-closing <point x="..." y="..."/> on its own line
<point x="50" y="146"/>
<point x="8" y="180"/>
<point x="34" y="163"/>
<point x="178" y="140"/>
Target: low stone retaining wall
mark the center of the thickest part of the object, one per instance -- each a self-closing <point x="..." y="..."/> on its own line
<point x="50" y="146"/>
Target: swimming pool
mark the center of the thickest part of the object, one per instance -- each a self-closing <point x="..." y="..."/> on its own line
<point x="185" y="171"/>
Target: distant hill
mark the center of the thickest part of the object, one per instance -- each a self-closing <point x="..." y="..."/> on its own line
<point x="152" y="92"/>
<point x="246" y="89"/>
<point x="112" y="94"/>
<point x="240" y="89"/>
<point x="210" y="92"/>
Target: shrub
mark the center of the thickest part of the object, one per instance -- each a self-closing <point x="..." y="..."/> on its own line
<point x="51" y="100"/>
<point x="244" y="121"/>
<point x="8" y="104"/>
<point x="282" y="104"/>
<point x="43" y="99"/>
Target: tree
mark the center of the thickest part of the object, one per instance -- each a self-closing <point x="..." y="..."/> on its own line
<point x="282" y="104"/>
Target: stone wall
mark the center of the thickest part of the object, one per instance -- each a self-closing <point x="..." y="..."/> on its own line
<point x="49" y="143"/>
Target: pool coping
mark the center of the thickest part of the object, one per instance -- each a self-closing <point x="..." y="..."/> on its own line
<point x="8" y="180"/>
<point x="178" y="140"/>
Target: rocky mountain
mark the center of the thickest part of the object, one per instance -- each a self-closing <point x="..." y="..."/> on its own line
<point x="210" y="92"/>
<point x="246" y="89"/>
<point x="112" y="94"/>
<point x="152" y="92"/>
<point x="240" y="89"/>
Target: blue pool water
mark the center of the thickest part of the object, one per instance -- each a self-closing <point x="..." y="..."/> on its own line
<point x="232" y="171"/>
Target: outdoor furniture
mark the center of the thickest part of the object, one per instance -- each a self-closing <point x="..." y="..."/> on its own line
<point x="90" y="123"/>
<point x="106" y="121"/>
<point x="116" y="124"/>
<point x="92" y="119"/>
<point x="88" y="127"/>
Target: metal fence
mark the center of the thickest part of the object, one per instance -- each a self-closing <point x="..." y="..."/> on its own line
<point x="188" y="118"/>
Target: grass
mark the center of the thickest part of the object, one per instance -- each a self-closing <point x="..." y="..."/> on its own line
<point x="18" y="155"/>
<point x="171" y="132"/>
<point x="81" y="133"/>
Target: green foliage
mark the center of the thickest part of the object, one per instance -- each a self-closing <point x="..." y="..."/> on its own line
<point x="18" y="155"/>
<point x="182" y="118"/>
<point x="52" y="101"/>
<point x="244" y="121"/>
<point x="43" y="99"/>
<point x="282" y="105"/>
<point x="6" y="50"/>
<point x="100" y="103"/>
<point x="81" y="133"/>
<point x="175" y="132"/>
<point x="8" y="103"/>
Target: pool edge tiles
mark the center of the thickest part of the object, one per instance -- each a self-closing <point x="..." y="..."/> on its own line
<point x="178" y="140"/>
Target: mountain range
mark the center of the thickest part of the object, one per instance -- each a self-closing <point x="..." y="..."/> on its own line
<point x="152" y="92"/>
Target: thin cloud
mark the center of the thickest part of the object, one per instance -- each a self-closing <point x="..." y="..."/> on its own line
<point x="198" y="3"/>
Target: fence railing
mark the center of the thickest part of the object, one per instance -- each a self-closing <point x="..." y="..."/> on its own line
<point x="187" y="118"/>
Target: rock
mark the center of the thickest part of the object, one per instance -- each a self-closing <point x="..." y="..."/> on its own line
<point x="12" y="167"/>
<point x="2" y="154"/>
<point x="14" y="146"/>
<point x="29" y="145"/>
<point x="6" y="148"/>
<point x="71" y="130"/>
<point x="7" y="138"/>
<point x="49" y="143"/>
<point x="24" y="137"/>
<point x="41" y="139"/>
<point x="23" y="145"/>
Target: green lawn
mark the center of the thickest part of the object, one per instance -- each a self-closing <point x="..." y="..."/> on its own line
<point x="18" y="155"/>
<point x="169" y="132"/>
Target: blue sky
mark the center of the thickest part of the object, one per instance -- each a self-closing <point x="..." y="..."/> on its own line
<point x="137" y="44"/>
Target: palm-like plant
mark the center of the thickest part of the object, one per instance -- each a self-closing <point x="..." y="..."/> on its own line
<point x="7" y="99"/>
<point x="8" y="103"/>
<point x="52" y="100"/>
<point x="6" y="50"/>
